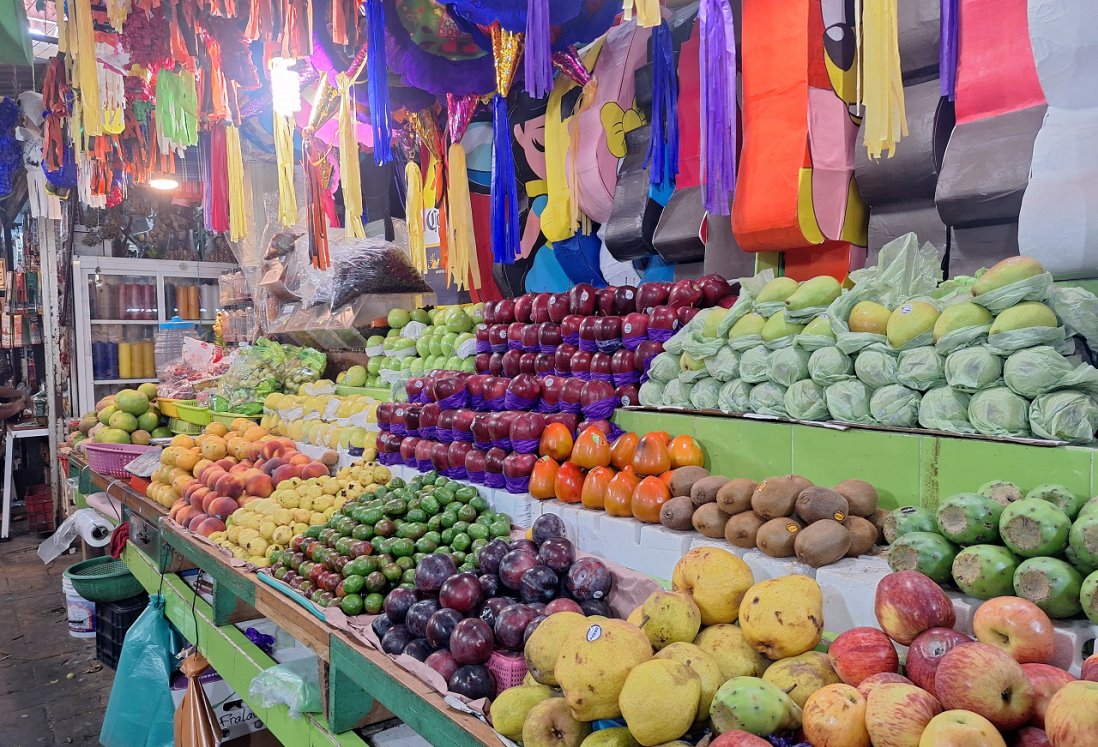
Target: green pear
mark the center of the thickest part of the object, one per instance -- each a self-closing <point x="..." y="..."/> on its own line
<point x="510" y="709"/>
<point x="960" y="315"/>
<point x="777" y="289"/>
<point x="819" y="291"/>
<point x="777" y="327"/>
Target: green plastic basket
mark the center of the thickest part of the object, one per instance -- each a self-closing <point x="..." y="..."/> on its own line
<point x="103" y="580"/>
<point x="170" y="407"/>
<point x="193" y="414"/>
<point x="182" y="427"/>
<point x="227" y="418"/>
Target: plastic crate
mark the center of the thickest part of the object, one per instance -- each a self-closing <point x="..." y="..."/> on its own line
<point x="182" y="427"/>
<point x="226" y="418"/>
<point x="111" y="459"/>
<point x="112" y="621"/>
<point x="41" y="513"/>
<point x="170" y="407"/>
<point x="193" y="414"/>
<point x="508" y="669"/>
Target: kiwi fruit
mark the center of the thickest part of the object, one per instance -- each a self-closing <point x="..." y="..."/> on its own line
<point x="801" y="481"/>
<point x="683" y="479"/>
<point x="676" y="513"/>
<point x="705" y="490"/>
<point x="822" y="543"/>
<point x="814" y="504"/>
<point x="860" y="496"/>
<point x="709" y="520"/>
<point x="734" y="497"/>
<point x="877" y="519"/>
<point x="776" y="496"/>
<point x="863" y="535"/>
<point x="776" y="537"/>
<point x="742" y="529"/>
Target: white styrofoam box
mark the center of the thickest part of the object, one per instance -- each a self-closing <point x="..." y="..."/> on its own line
<point x="587" y="534"/>
<point x="763" y="566"/>
<point x="661" y="549"/>
<point x="568" y="513"/>
<point x="849" y="588"/>
<point x="964" y="607"/>
<point x="398" y="736"/>
<point x="519" y="506"/>
<point x="619" y="540"/>
<point x="1071" y="638"/>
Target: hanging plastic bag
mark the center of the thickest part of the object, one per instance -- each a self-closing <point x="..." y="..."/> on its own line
<point x="295" y="684"/>
<point x="140" y="712"/>
<point x="651" y="393"/>
<point x="1035" y="288"/>
<point x="1069" y="415"/>
<point x="945" y="409"/>
<point x="1036" y="371"/>
<point x="768" y="398"/>
<point x="677" y="393"/>
<point x="1078" y="310"/>
<point x="875" y="368"/>
<point x="788" y="366"/>
<point x="704" y="395"/>
<point x="663" y="368"/>
<point x="735" y="397"/>
<point x="196" y="725"/>
<point x="999" y="412"/>
<point x="755" y="365"/>
<point x="895" y="406"/>
<point x="805" y="400"/>
<point x="972" y="369"/>
<point x="921" y="369"/>
<point x="725" y="365"/>
<point x="829" y="366"/>
<point x="848" y="402"/>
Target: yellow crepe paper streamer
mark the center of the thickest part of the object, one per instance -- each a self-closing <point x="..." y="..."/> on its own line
<point x="284" y="157"/>
<point x="459" y="228"/>
<point x="885" y="122"/>
<point x="559" y="219"/>
<point x="648" y="12"/>
<point x="235" y="168"/>
<point x="350" y="178"/>
<point x="86" y="78"/>
<point x="413" y="213"/>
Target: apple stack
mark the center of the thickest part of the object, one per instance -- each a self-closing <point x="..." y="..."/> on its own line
<point x="1041" y="545"/>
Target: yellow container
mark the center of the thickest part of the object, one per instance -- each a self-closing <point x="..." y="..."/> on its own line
<point x="148" y="361"/>
<point x="125" y="360"/>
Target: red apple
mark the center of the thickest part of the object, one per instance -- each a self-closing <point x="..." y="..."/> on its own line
<point x="519" y="465"/>
<point x="482" y="362"/>
<point x="907" y="603"/>
<point x="714" y="289"/>
<point x="1071" y="719"/>
<point x="1017" y="626"/>
<point x="475" y="462"/>
<point x="462" y="424"/>
<point x="495" y="388"/>
<point x="595" y="391"/>
<point x="515" y="330"/>
<point x="474" y="387"/>
<point x="548" y="337"/>
<point x="493" y="460"/>
<point x="528" y="363"/>
<point x="428" y="417"/>
<point x="423" y="453"/>
<point x="634" y="329"/>
<point x="567" y="419"/>
<point x="497" y="338"/>
<point x="570" y="395"/>
<point x="523" y="391"/>
<point x="456" y="454"/>
<point x="983" y="679"/>
<point x="728" y="302"/>
<point x="684" y="293"/>
<point x="580" y="364"/>
<point x="884" y="678"/>
<point x="587" y="333"/>
<point x="861" y="652"/>
<point x="413" y="387"/>
<point x="501" y="427"/>
<point x="543" y="364"/>
<point x="604" y="301"/>
<point x="526" y="432"/>
<point x="444" y="429"/>
<point x="408" y="449"/>
<point x="530" y="334"/>
<point x="581" y="299"/>
<point x="495" y="364"/>
<point x="562" y="359"/>
<point x="663" y="318"/>
<point x="1090" y="669"/>
<point x="482" y="429"/>
<point x="608" y="333"/>
<point x="570" y="328"/>
<point x="512" y="363"/>
<point x="1030" y="736"/>
<point x="651" y="295"/>
<point x="384" y="418"/>
<point x="625" y="299"/>
<point x="686" y="313"/>
<point x="645" y="352"/>
<point x="440" y="459"/>
<point x="539" y="312"/>
<point x="481" y="334"/>
<point x="896" y="715"/>
<point x="505" y="311"/>
<point x="524" y="307"/>
<point x="601" y="366"/>
<point x="450" y="391"/>
<point x="551" y="388"/>
<point x="411" y="418"/>
<point x="558" y="307"/>
<point x="1047" y="680"/>
<point x="628" y="395"/>
<point x="624" y="363"/>
<point x="926" y="653"/>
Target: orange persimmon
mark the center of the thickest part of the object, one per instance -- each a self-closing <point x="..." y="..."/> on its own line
<point x="663" y="436"/>
<point x="594" y="487"/>
<point x="648" y="498"/>
<point x="618" y="500"/>
<point x="622" y="450"/>
<point x="686" y="452"/>
<point x="543" y="478"/>
<point x="556" y="441"/>
<point x="652" y="456"/>
<point x="666" y="477"/>
<point x="569" y="483"/>
<point x="591" y="449"/>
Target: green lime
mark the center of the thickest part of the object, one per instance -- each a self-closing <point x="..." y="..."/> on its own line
<point x="434" y="523"/>
<point x="486" y="518"/>
<point x="363" y="532"/>
<point x="372" y="515"/>
<point x="405" y="562"/>
<point x="409" y="576"/>
<point x="425" y="544"/>
<point x="392" y="573"/>
<point x="441" y="480"/>
<point x="396" y="482"/>
<point x="447" y="535"/>
<point x="444" y="497"/>
<point x="467" y="513"/>
<point x="352" y="605"/>
<point x="500" y="529"/>
<point x="478" y="503"/>
<point x="353" y="584"/>
<point x="381" y="491"/>
<point x="461" y="542"/>
<point x="459" y="557"/>
<point x="373" y="604"/>
<point x="396" y="507"/>
<point x="478" y="542"/>
<point x="430" y="478"/>
<point x="466" y="493"/>
<point x="376" y="581"/>
<point x="449" y="519"/>
<point x="402" y="548"/>
<point x="431" y="505"/>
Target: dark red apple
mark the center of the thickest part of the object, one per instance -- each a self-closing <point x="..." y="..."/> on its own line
<point x="483" y="362"/>
<point x="450" y="391"/>
<point x="505" y="311"/>
<point x="608" y="334"/>
<point x="645" y="352"/>
<point x="601" y="366"/>
<point x="515" y="331"/>
<point x="714" y="289"/>
<point x="562" y="359"/>
<point x="444" y="429"/>
<point x="684" y="293"/>
<point x="539" y="312"/>
<point x="497" y="338"/>
<point x="543" y="364"/>
<point x="493" y="461"/>
<point x="926" y="652"/>
<point x="411" y="419"/>
<point x="512" y="363"/>
<point x="408" y="450"/>
<point x="440" y="461"/>
<point x="528" y="363"/>
<point x="604" y="301"/>
<point x="551" y="388"/>
<point x="495" y="364"/>
<point x="495" y="389"/>
<point x="580" y="364"/>
<point x="548" y="337"/>
<point x="581" y="299"/>
<point x="455" y="457"/>
<point x="594" y="391"/>
<point x="651" y="295"/>
<point x="385" y="415"/>
<point x="587" y="333"/>
<point x="490" y="312"/>
<point x="501" y="428"/>
<point x="413" y="387"/>
<point x="625" y="299"/>
<point x="686" y="313"/>
<point x="523" y="392"/>
<point x="728" y="302"/>
<point x="628" y="395"/>
<point x="474" y="388"/>
<point x="665" y="319"/>
<point x="634" y="329"/>
<point x="474" y="465"/>
<point x="530" y="335"/>
<point x="558" y="307"/>
<point x="570" y="395"/>
<point x="623" y="362"/>
<point x="481" y="429"/>
<point x="423" y="454"/>
<point x="526" y="432"/>
<point x="481" y="333"/>
<point x="570" y="327"/>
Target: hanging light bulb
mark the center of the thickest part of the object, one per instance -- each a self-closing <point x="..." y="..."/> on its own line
<point x="163" y="182"/>
<point x="285" y="86"/>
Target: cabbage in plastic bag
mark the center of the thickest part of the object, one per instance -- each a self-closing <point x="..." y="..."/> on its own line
<point x="829" y="366"/>
<point x="999" y="412"/>
<point x="805" y="400"/>
<point x="677" y="393"/>
<point x="972" y="369"/>
<point x="651" y="393"/>
<point x="920" y="368"/>
<point x="875" y="368"/>
<point x="1005" y="343"/>
<point x="1069" y="415"/>
<point x="895" y="406"/>
<point x="1036" y="288"/>
<point x="735" y="397"/>
<point x="848" y="402"/>
<point x="1036" y="371"/>
<point x="768" y="398"/>
<point x="705" y="393"/>
<point x="945" y="409"/>
<point x="755" y="365"/>
<point x="294" y="684"/>
<point x="725" y="365"/>
<point x="966" y="337"/>
<point x="788" y="366"/>
<point x="701" y="347"/>
<point x="664" y="367"/>
<point x="677" y="343"/>
<point x="1078" y="310"/>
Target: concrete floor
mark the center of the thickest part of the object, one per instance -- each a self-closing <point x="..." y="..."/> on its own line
<point x="53" y="691"/>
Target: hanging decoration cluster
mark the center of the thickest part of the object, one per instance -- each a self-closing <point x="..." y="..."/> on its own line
<point x="350" y="178"/>
<point x="285" y="101"/>
<point x="377" y="74"/>
<point x="718" y="105"/>
<point x="885" y="122"/>
<point x="463" y="269"/>
<point x="413" y="213"/>
<point x="663" y="148"/>
<point x="506" y="48"/>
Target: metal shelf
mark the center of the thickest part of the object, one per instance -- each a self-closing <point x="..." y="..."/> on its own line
<point x="128" y="322"/>
<point x="124" y="381"/>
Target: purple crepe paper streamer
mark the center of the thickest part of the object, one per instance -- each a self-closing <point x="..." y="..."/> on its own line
<point x="386" y="426"/>
<point x="582" y="375"/>
<point x="400" y="429"/>
<point x="505" y="219"/>
<point x="524" y="445"/>
<point x="494" y="479"/>
<point x="476" y="401"/>
<point x="443" y="435"/>
<point x="428" y="432"/>
<point x="457" y="473"/>
<point x="462" y="436"/>
<point x="377" y="76"/>
<point x="497" y="404"/>
<point x="424" y="465"/>
<point x="482" y="445"/>
<point x="663" y="148"/>
<point x="588" y="345"/>
<point x="413" y="432"/>
<point x="501" y="348"/>
<point x="947" y="51"/>
<point x="626" y="378"/>
<point x="502" y="443"/>
<point x="591" y="376"/>
<point x="601" y="410"/>
<point x="548" y="407"/>
<point x="514" y="402"/>
<point x="517" y="485"/>
<point x="616" y="432"/>
<point x="410" y="462"/>
<point x="483" y="346"/>
<point x="660" y="335"/>
<point x="572" y="338"/>
<point x="512" y="345"/>
<point x="575" y="408"/>
<point x="609" y="346"/>
<point x="547" y="349"/>
<point x="562" y="374"/>
<point x="475" y="477"/>
<point x="537" y="62"/>
<point x="530" y="348"/>
<point x="455" y="401"/>
<point x="717" y="65"/>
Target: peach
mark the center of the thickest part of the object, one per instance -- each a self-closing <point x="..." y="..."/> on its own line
<point x="259" y="485"/>
<point x="329" y="458"/>
<point x="190" y="487"/>
<point x="272" y="464"/>
<point x="239" y="468"/>
<point x="254" y="450"/>
<point x="208" y="500"/>
<point x="200" y="466"/>
<point x="222" y="507"/>
<point x="212" y="475"/>
<point x="287" y="443"/>
<point x="285" y="472"/>
<point x="313" y="469"/>
<point x="300" y="459"/>
<point x="271" y="449"/>
<point x="194" y="521"/>
<point x="184" y="515"/>
<point x="230" y="485"/>
<point x="226" y="463"/>
<point x="211" y="525"/>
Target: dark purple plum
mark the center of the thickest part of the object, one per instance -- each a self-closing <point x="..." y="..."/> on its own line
<point x="596" y="607"/>
<point x="441" y="625"/>
<point x="557" y="553"/>
<point x="539" y="584"/>
<point x="472" y="641"/>
<point x="418" y="616"/>
<point x="589" y="578"/>
<point x="563" y="604"/>
<point x="442" y="662"/>
<point x="397" y="603"/>
<point x="546" y="526"/>
<point x="491" y="554"/>
<point x="524" y="545"/>
<point x="514" y="565"/>
<point x="511" y="624"/>
<point x="461" y="592"/>
<point x="473" y="681"/>
<point x="419" y="648"/>
<point x="490" y="610"/>
<point x="532" y="627"/>
<point x="489" y="585"/>
<point x="538" y="608"/>
<point x="433" y="571"/>
<point x="396" y="639"/>
<point x="381" y="625"/>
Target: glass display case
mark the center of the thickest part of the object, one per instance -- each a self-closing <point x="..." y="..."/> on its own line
<point x="120" y="304"/>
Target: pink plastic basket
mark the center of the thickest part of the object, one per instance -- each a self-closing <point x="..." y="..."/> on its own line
<point x="111" y="459"/>
<point x="508" y="669"/>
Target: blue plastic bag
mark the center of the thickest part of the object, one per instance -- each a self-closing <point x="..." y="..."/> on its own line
<point x="140" y="712"/>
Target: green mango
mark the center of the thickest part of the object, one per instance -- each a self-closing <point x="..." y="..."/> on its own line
<point x="777" y="289"/>
<point x="819" y="291"/>
<point x="1024" y="316"/>
<point x="1005" y="272"/>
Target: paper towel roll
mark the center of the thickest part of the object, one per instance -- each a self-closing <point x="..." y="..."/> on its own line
<point x="86" y="524"/>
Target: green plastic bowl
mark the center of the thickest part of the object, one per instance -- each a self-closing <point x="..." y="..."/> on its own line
<point x="103" y="580"/>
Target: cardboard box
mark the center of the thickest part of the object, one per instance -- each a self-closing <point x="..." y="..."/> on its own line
<point x="234" y="715"/>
